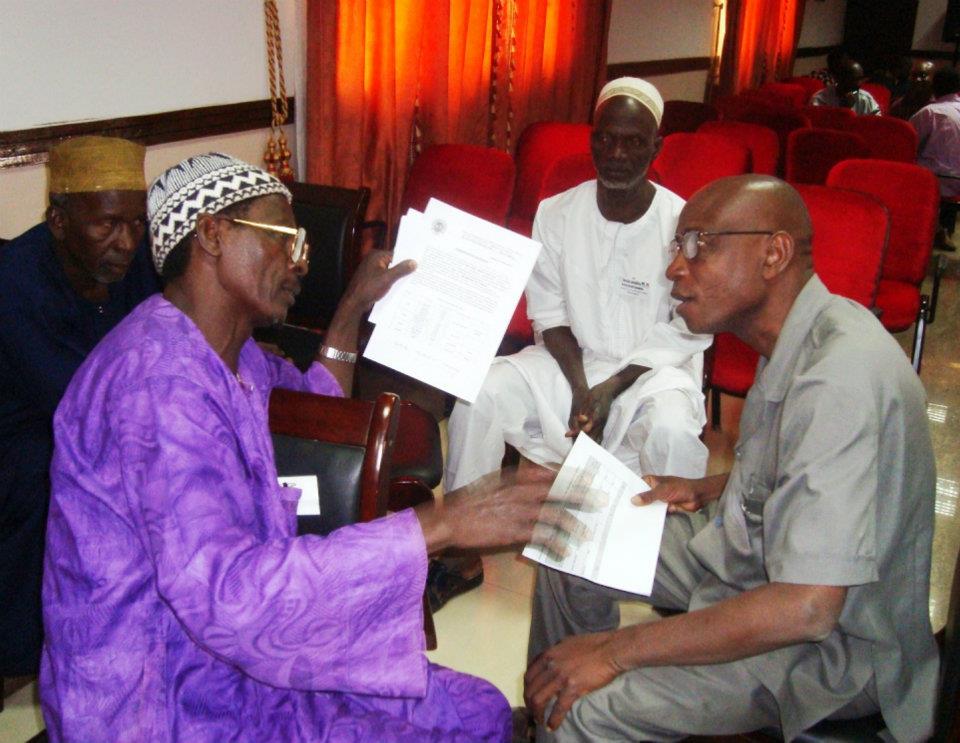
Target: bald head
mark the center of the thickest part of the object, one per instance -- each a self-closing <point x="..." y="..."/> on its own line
<point x="753" y="257"/>
<point x="762" y="201"/>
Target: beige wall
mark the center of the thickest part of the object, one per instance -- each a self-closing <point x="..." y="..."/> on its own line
<point x="642" y="30"/>
<point x="929" y="26"/>
<point x="161" y="56"/>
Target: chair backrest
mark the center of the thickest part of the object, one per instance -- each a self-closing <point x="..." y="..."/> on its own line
<point x="687" y="162"/>
<point x="912" y="198"/>
<point x="417" y="458"/>
<point x="476" y="179"/>
<point x="829" y="117"/>
<point x="567" y="172"/>
<point x="685" y="116"/>
<point x="881" y="94"/>
<point x="762" y="142"/>
<point x="347" y="444"/>
<point x="888" y="138"/>
<point x="789" y="94"/>
<point x="539" y="146"/>
<point x="812" y="152"/>
<point x="781" y="120"/>
<point x="850" y="231"/>
<point x="332" y="217"/>
<point x="809" y="84"/>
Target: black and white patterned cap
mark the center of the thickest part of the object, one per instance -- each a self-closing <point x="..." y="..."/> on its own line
<point x="200" y="184"/>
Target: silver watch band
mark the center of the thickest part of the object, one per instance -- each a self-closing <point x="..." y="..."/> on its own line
<point x="335" y="354"/>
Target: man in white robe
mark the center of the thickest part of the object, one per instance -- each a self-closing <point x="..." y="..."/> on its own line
<point x="611" y="359"/>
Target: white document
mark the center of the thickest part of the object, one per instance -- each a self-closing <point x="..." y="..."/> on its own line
<point x="411" y="241"/>
<point x="309" y="503"/>
<point x="443" y="323"/>
<point x="624" y="545"/>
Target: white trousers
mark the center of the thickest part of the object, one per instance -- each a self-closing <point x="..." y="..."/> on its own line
<point x="661" y="438"/>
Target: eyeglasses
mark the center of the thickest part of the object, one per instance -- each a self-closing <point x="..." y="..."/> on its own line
<point x="690" y="242"/>
<point x="297" y="249"/>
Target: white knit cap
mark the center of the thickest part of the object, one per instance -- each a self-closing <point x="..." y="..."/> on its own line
<point x="200" y="184"/>
<point x="633" y="87"/>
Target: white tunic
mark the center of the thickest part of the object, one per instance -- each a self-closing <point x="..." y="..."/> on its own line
<point x="607" y="282"/>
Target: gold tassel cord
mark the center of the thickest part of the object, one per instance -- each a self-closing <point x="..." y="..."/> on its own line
<point x="277" y="155"/>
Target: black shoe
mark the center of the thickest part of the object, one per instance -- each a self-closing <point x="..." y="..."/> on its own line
<point x="444" y="583"/>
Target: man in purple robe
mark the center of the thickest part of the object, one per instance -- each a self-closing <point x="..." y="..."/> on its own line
<point x="179" y="603"/>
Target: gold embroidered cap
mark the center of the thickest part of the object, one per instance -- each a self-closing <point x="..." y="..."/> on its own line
<point x="85" y="164"/>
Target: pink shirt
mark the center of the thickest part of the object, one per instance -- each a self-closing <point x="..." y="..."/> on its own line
<point x="938" y="126"/>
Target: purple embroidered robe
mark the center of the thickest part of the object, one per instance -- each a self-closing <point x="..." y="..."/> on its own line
<point x="180" y="606"/>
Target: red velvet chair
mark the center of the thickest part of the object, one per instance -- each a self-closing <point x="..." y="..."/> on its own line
<point x="812" y="152"/>
<point x="789" y="94"/>
<point x="685" y="116"/>
<point x="912" y="196"/>
<point x="849" y="238"/>
<point x="880" y="93"/>
<point x="888" y="138"/>
<point x="539" y="146"/>
<point x="762" y="142"/>
<point x="781" y="120"/>
<point x="478" y="180"/>
<point x="810" y="85"/>
<point x="687" y="162"/>
<point x="829" y="117"/>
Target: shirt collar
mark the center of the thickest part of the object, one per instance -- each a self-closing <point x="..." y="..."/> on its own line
<point x="774" y="375"/>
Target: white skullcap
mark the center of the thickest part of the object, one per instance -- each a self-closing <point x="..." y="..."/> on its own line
<point x="633" y="87"/>
<point x="203" y="183"/>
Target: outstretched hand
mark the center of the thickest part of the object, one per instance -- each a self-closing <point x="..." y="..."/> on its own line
<point x="505" y="510"/>
<point x="564" y="673"/>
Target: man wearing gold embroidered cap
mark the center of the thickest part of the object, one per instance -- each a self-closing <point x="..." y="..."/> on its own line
<point x="63" y="285"/>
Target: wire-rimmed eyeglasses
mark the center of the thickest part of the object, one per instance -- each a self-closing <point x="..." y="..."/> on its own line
<point x="690" y="242"/>
<point x="298" y="248"/>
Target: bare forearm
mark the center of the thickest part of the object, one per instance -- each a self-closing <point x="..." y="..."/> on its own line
<point x="710" y="488"/>
<point x="626" y="377"/>
<point x="769" y="617"/>
<point x="343" y="335"/>
<point x="563" y="346"/>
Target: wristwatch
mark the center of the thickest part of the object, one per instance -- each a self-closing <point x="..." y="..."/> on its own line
<point x="335" y="354"/>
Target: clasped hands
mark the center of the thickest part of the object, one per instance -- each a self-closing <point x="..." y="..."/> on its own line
<point x="590" y="409"/>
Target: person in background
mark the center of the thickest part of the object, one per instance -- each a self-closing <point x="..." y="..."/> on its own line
<point x="611" y="360"/>
<point x="63" y="285"/>
<point x="938" y="129"/>
<point x="829" y="74"/>
<point x="918" y="92"/>
<point x="846" y="92"/>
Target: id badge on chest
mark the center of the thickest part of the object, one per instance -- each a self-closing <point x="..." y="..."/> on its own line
<point x="633" y="287"/>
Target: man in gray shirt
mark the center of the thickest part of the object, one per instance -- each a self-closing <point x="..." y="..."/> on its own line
<point x="806" y="595"/>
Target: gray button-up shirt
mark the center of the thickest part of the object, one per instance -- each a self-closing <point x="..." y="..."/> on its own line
<point x="833" y="484"/>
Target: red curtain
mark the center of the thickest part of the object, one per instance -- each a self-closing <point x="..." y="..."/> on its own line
<point x="388" y="77"/>
<point x="760" y="42"/>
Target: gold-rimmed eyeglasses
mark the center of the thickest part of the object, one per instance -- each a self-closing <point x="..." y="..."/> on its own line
<point x="690" y="242"/>
<point x="298" y="248"/>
